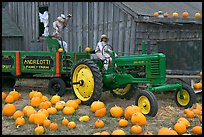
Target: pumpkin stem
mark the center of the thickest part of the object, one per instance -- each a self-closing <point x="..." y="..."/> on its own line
<point x="17" y="126"/>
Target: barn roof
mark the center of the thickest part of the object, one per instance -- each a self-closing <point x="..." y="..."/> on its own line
<point x="147" y="9"/>
<point x="9" y="27"/>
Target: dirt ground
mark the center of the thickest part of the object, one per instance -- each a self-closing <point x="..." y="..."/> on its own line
<point x="168" y="113"/>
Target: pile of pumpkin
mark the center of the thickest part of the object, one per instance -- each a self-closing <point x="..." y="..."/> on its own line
<point x="199" y="84"/>
<point x="41" y="108"/>
<point x="45" y="108"/>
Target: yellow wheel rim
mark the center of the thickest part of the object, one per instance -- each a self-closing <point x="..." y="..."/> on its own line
<point x="122" y="91"/>
<point x="85" y="91"/>
<point x="186" y="98"/>
<point x="144" y="104"/>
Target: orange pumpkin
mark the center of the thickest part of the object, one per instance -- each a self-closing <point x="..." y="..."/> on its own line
<point x="190" y="114"/>
<point x="71" y="124"/>
<point x="175" y="14"/>
<point x="44" y="111"/>
<point x="166" y="131"/>
<point x="72" y="103"/>
<point x="52" y="111"/>
<point x="17" y="114"/>
<point x="39" y="118"/>
<point x="38" y="94"/>
<point x="199" y="107"/>
<point x="201" y="73"/>
<point x="31" y="94"/>
<point x="65" y="121"/>
<point x="200" y="118"/>
<point x="78" y="101"/>
<point x="45" y="105"/>
<point x="53" y="126"/>
<point x="99" y="124"/>
<point x="196" y="86"/>
<point x="100" y="112"/>
<point x="3" y="95"/>
<point x="15" y="94"/>
<point x="55" y="99"/>
<point x="185" y="14"/>
<point x="165" y="14"/>
<point x="148" y="133"/>
<point x="30" y="111"/>
<point x="9" y="99"/>
<point x="60" y="50"/>
<point x="44" y="98"/>
<point x="32" y="118"/>
<point x="139" y="119"/>
<point x="180" y="128"/>
<point x="198" y="16"/>
<point x="26" y="108"/>
<point x="35" y="101"/>
<point x="186" y="110"/>
<point x="104" y="133"/>
<point x="46" y="123"/>
<point x="123" y="123"/>
<point x="97" y="105"/>
<point x="20" y="121"/>
<point x="184" y="121"/>
<point x="39" y="130"/>
<point x="9" y="110"/>
<point x="156" y="14"/>
<point x="196" y="111"/>
<point x="118" y="132"/>
<point x="68" y="110"/>
<point x="131" y="110"/>
<point x="197" y="130"/>
<point x="87" y="49"/>
<point x="116" y="111"/>
<point x="136" y="129"/>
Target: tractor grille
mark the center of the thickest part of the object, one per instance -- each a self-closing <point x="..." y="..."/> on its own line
<point x="155" y="70"/>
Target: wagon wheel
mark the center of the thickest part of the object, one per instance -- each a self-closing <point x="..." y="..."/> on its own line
<point x="86" y="81"/>
<point x="8" y="81"/>
<point x="56" y="86"/>
<point x="126" y="92"/>
<point x="147" y="102"/>
<point x="189" y="97"/>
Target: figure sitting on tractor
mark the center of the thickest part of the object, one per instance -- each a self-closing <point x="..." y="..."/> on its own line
<point x="58" y="26"/>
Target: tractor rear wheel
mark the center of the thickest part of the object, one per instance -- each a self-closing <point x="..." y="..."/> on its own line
<point x="189" y="97"/>
<point x="86" y="81"/>
<point x="147" y="102"/>
<point x="125" y="93"/>
<point x="56" y="86"/>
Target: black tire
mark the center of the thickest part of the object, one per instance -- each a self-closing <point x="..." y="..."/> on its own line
<point x="56" y="86"/>
<point x="8" y="82"/>
<point x="191" y="94"/>
<point x="128" y="95"/>
<point x="98" y="84"/>
<point x="151" y="98"/>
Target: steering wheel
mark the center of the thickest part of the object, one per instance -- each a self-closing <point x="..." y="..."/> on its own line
<point x="106" y="49"/>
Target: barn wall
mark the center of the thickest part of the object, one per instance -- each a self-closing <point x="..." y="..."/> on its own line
<point x="12" y="43"/>
<point x="90" y="20"/>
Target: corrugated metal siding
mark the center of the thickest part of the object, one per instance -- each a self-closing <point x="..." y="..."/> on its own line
<point x="90" y="20"/>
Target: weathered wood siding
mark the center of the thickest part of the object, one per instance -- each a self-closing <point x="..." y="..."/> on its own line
<point x="12" y="43"/>
<point x="92" y="19"/>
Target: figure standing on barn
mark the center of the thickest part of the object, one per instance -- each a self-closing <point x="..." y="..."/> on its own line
<point x="58" y="26"/>
<point x="107" y="56"/>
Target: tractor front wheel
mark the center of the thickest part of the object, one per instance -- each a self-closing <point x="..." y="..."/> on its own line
<point x="56" y="86"/>
<point x="8" y="81"/>
<point x="147" y="102"/>
<point x="188" y="99"/>
<point x="86" y="81"/>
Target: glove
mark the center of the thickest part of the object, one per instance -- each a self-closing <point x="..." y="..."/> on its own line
<point x="69" y="15"/>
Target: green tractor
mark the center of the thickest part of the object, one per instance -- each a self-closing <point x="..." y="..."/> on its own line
<point x="88" y="79"/>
